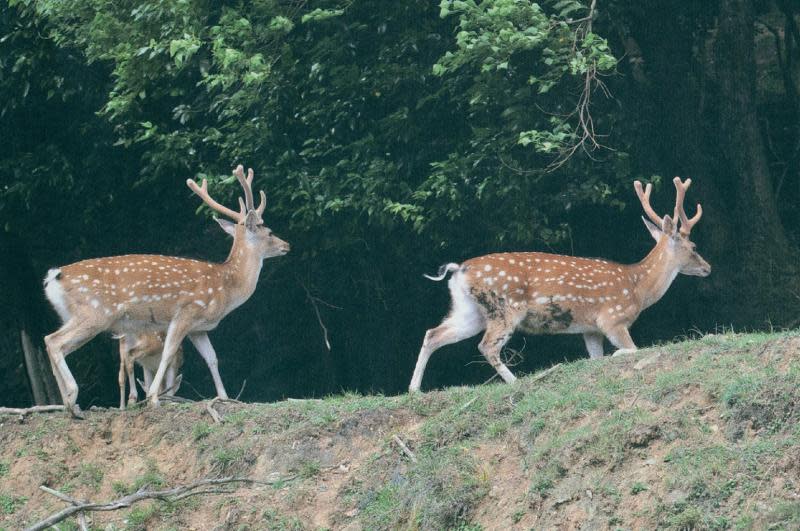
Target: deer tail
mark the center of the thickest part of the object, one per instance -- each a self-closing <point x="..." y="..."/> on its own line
<point x="443" y="271"/>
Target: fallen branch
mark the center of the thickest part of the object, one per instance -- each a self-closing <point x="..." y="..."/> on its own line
<point x="467" y="404"/>
<point x="168" y="495"/>
<point x="406" y="450"/>
<point x="29" y="410"/>
<point x="545" y="373"/>
<point x="213" y="412"/>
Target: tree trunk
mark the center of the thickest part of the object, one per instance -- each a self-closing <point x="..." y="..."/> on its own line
<point x="741" y="143"/>
<point x="37" y="366"/>
<point x="25" y="320"/>
<point x="699" y="118"/>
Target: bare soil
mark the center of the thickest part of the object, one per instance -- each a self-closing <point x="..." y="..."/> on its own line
<point x="701" y="434"/>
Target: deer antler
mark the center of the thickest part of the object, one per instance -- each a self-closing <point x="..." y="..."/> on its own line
<point x="680" y="213"/>
<point x="247" y="184"/>
<point x="644" y="198"/>
<point x="202" y="191"/>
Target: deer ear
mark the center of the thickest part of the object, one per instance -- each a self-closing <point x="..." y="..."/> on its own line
<point x="655" y="232"/>
<point x="226" y="225"/>
<point x="668" y="226"/>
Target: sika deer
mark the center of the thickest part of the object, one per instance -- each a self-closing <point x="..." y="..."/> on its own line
<point x="539" y="293"/>
<point x="139" y="293"/>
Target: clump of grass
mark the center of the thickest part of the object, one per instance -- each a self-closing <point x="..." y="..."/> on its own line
<point x="4" y="468"/>
<point x="278" y="522"/>
<point x="231" y="458"/>
<point x="786" y="515"/>
<point x="201" y="430"/>
<point x="438" y="492"/>
<point x="90" y="475"/>
<point x="309" y="469"/>
<point x="638" y="487"/>
<point x="9" y="503"/>
<point x="151" y="478"/>
<point x="140" y="516"/>
<point x="764" y="401"/>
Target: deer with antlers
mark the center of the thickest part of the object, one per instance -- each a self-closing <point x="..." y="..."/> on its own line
<point x="143" y="293"/>
<point x="145" y="350"/>
<point x="539" y="293"/>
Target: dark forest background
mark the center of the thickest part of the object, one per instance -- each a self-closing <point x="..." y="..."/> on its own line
<point x="391" y="137"/>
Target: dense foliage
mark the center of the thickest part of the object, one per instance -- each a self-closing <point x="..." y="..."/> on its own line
<point x="389" y="137"/>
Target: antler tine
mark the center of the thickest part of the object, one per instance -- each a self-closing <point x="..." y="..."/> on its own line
<point x="247" y="184"/>
<point x="644" y="199"/>
<point x="263" y="204"/>
<point x="202" y="191"/>
<point x="680" y="213"/>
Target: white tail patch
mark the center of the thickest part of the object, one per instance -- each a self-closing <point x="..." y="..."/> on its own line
<point x="443" y="271"/>
<point x="55" y="294"/>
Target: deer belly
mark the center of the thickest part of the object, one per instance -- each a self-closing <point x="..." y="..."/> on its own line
<point x="143" y="318"/>
<point x="553" y="319"/>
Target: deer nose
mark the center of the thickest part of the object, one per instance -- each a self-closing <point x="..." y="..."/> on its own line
<point x="705" y="270"/>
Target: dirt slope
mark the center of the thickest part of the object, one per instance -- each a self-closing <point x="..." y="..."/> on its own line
<point x="700" y="434"/>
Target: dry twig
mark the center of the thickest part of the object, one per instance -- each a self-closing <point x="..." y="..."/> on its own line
<point x="29" y="410"/>
<point x="545" y="373"/>
<point x="213" y="412"/>
<point x="406" y="450"/>
<point x="169" y="495"/>
<point x="244" y="383"/>
<point x="314" y="300"/>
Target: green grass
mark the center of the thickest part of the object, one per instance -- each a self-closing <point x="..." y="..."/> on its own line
<point x="201" y="430"/>
<point x="436" y="492"/>
<point x="9" y="503"/>
<point x="721" y="415"/>
<point x="90" y="475"/>
<point x="4" y="468"/>
<point x="278" y="522"/>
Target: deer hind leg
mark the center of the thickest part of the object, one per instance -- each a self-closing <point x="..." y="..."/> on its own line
<point x="123" y="355"/>
<point x="70" y="337"/>
<point x="133" y="392"/>
<point x="497" y="335"/>
<point x="464" y="321"/>
<point x="203" y="345"/>
<point x="594" y="344"/>
<point x="621" y="338"/>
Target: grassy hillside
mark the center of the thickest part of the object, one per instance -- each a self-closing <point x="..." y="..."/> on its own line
<point x="698" y="434"/>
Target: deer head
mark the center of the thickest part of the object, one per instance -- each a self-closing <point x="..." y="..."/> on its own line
<point x="681" y="250"/>
<point x="248" y="220"/>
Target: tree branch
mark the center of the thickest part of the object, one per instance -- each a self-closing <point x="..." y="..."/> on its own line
<point x="29" y="410"/>
<point x="168" y="495"/>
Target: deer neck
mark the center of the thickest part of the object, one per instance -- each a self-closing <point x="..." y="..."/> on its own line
<point x="241" y="269"/>
<point x="653" y="276"/>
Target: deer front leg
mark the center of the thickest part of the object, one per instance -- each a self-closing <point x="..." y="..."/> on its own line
<point x="621" y="338"/>
<point x="121" y="377"/>
<point x="496" y="336"/>
<point x="594" y="344"/>
<point x="175" y="334"/>
<point x="203" y="345"/>
<point x="133" y="392"/>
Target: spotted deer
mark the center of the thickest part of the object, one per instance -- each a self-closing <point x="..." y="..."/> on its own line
<point x="145" y="349"/>
<point x="152" y="293"/>
<point x="539" y="293"/>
